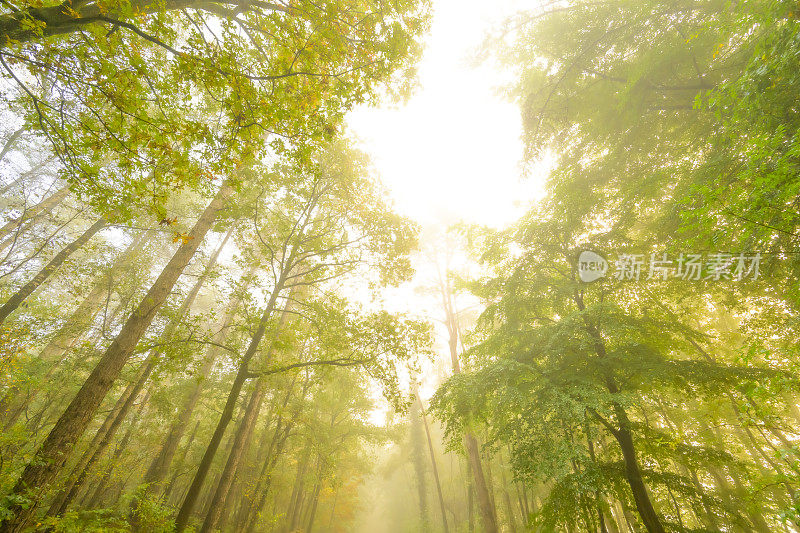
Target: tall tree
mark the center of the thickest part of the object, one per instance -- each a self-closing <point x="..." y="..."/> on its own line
<point x="485" y="501"/>
<point x="26" y="290"/>
<point x="319" y="233"/>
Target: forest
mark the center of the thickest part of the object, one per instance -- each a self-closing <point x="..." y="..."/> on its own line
<point x="216" y="316"/>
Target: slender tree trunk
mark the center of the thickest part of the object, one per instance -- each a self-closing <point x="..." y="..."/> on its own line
<point x="470" y="501"/>
<point x="240" y="445"/>
<point x="26" y="290"/>
<point x="168" y="491"/>
<point x="276" y="445"/>
<point x="58" y="500"/>
<point x="529" y="505"/>
<point x="590" y="445"/>
<point x="265" y="477"/>
<point x="312" y="513"/>
<point x="333" y="511"/>
<point x="619" y="518"/>
<point x="481" y="488"/>
<point x="203" y="508"/>
<point x="246" y="477"/>
<point x="510" y="508"/>
<point x="711" y="519"/>
<point x="417" y="457"/>
<point x="49" y="459"/>
<point x="624" y="438"/>
<point x="66" y="336"/>
<point x="749" y="442"/>
<point x="115" y="459"/>
<point x="757" y="519"/>
<point x="95" y="455"/>
<point x="144" y="375"/>
<point x="490" y="482"/>
<point x="10" y="141"/>
<point x="243" y="436"/>
<point x="629" y="519"/>
<point x="302" y="517"/>
<point x="296" y="500"/>
<point x="633" y="473"/>
<point x="521" y="504"/>
<point x="42" y="208"/>
<point x="434" y="467"/>
<point x="190" y="500"/>
<point x="159" y="467"/>
<point x="63" y="499"/>
<point x="485" y="506"/>
<point x="736" y="500"/>
<point x="611" y="522"/>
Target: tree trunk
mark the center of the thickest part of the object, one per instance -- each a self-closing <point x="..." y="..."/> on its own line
<point x="525" y="500"/>
<point x="190" y="500"/>
<point x="143" y="376"/>
<point x="168" y="490"/>
<point x="26" y="290"/>
<point x="296" y="501"/>
<point x="630" y="520"/>
<point x="66" y="336"/>
<point x="481" y="489"/>
<point x="42" y="208"/>
<point x="597" y="496"/>
<point x="333" y="511"/>
<point x="12" y="139"/>
<point x="95" y="455"/>
<point x="276" y="445"/>
<point x="265" y="476"/>
<point x="159" y="467"/>
<point x="434" y="467"/>
<point x="633" y="474"/>
<point x="736" y="499"/>
<point x="49" y="459"/>
<point x="485" y="507"/>
<point x="312" y="513"/>
<point x="624" y="436"/>
<point x="114" y="460"/>
<point x="521" y="504"/>
<point x="240" y="445"/>
<point x="243" y="436"/>
<point x="58" y="500"/>
<point x="417" y="458"/>
<point x="470" y="502"/>
<point x="510" y="508"/>
<point x="246" y="478"/>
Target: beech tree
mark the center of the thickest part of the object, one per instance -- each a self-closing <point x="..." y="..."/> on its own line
<point x="92" y="129"/>
<point x="592" y="385"/>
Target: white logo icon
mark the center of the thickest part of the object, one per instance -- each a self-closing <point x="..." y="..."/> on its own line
<point x="591" y="266"/>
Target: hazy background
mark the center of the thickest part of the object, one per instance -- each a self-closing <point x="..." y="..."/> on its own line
<point x="452" y="154"/>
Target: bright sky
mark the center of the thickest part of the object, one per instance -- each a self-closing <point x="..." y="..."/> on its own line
<point x="453" y="152"/>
